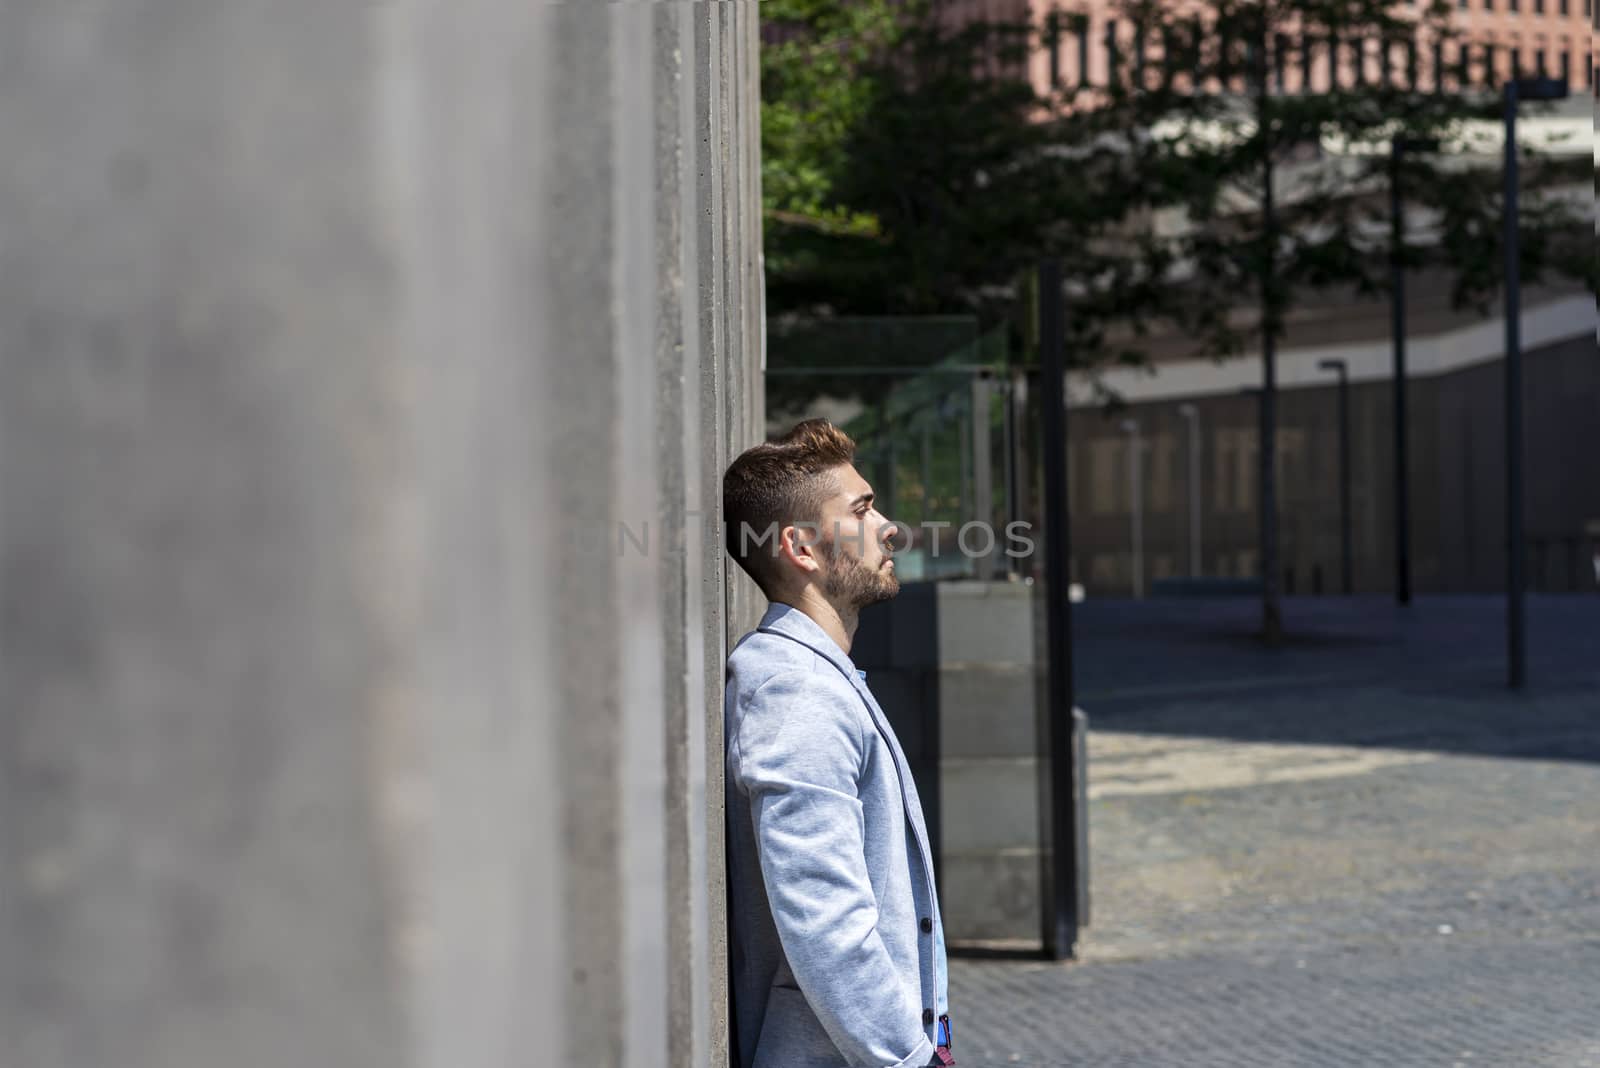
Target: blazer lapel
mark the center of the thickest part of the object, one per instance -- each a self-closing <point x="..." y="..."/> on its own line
<point x="794" y="624"/>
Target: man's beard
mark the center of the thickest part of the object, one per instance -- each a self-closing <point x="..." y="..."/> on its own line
<point x="856" y="583"/>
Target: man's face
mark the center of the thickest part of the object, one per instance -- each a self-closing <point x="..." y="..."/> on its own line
<point x="858" y="568"/>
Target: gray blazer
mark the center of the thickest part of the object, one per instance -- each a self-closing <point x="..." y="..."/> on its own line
<point x="838" y="953"/>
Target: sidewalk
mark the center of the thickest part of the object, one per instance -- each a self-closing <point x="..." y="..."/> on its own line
<point x="1360" y="850"/>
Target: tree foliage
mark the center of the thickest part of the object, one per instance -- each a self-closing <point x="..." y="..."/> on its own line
<point x="910" y="166"/>
<point x="922" y="173"/>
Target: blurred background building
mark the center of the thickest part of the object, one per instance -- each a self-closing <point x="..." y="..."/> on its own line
<point x="1163" y="437"/>
<point x="1545" y="36"/>
<point x="1457" y="463"/>
<point x="1177" y="446"/>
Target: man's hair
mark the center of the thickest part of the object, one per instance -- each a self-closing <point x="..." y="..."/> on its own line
<point x="781" y="483"/>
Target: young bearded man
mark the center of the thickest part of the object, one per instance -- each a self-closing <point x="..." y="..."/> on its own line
<point x="837" y="952"/>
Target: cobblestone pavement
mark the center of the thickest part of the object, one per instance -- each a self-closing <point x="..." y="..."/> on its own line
<point x="1392" y="861"/>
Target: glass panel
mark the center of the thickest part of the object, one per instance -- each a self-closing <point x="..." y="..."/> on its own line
<point x="939" y="416"/>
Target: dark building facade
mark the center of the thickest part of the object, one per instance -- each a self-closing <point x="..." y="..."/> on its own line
<point x="1456" y="436"/>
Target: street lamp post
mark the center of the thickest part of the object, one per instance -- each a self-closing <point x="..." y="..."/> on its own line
<point x="1136" y="499"/>
<point x="1342" y="369"/>
<point x="1517" y="89"/>
<point x="1398" y="147"/>
<point x="1191" y="415"/>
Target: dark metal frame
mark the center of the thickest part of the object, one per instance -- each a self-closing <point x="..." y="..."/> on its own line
<point x="1398" y="147"/>
<point x="1064" y="886"/>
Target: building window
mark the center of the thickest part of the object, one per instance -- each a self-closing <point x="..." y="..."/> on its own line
<point x="1564" y="6"/>
<point x="1488" y="5"/>
<point x="1538" y="7"/>
<point x="1222" y="474"/>
<point x="1106" y="478"/>
<point x="1233" y="457"/>
<point x="1105" y="572"/>
<point x="1245" y="483"/>
<point x="1513" y="6"/>
<point x="1566" y="65"/>
<point x="1162" y="452"/>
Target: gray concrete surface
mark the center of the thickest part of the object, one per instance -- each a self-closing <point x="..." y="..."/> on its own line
<point x="335" y="342"/>
<point x="1358" y="850"/>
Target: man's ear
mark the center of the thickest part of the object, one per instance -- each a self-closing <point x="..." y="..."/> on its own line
<point x="798" y="544"/>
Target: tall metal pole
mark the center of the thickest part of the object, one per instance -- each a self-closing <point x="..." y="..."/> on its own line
<point x="1064" y="899"/>
<point x="1271" y="612"/>
<point x="1397" y="304"/>
<point x="1516" y="634"/>
<point x="1136" y="503"/>
<point x="1346" y="558"/>
<point x="1191" y="415"/>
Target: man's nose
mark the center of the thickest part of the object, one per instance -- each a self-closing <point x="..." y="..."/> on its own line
<point x="887" y="533"/>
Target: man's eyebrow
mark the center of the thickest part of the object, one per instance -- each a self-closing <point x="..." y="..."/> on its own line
<point x="865" y="498"/>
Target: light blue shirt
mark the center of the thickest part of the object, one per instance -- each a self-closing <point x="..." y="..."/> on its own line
<point x="829" y="868"/>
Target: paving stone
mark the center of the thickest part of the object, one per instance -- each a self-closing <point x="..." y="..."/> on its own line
<point x="1436" y="905"/>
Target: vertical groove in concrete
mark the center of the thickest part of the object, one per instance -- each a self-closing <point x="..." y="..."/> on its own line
<point x="638" y="611"/>
<point x="692" y="885"/>
<point x="673" y="440"/>
<point x="581" y="449"/>
<point x="709" y="358"/>
<point x="739" y="233"/>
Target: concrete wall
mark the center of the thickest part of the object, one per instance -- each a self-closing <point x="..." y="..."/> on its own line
<point x="336" y="340"/>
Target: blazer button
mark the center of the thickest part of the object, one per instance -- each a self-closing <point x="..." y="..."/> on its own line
<point x="927" y="925"/>
<point x="927" y="1017"/>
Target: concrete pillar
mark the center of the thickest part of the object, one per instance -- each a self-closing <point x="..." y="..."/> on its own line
<point x="363" y="368"/>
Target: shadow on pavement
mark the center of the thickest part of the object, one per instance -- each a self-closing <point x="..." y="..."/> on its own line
<point x="1358" y="671"/>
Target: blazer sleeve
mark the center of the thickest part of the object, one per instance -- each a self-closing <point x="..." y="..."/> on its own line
<point x="798" y="755"/>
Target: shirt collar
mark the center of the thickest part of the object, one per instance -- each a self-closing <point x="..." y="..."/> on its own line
<point x="787" y="619"/>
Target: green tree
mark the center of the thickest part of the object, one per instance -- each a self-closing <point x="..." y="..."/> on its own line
<point x="909" y="167"/>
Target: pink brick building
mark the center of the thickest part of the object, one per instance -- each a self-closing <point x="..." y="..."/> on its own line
<point x="1550" y="35"/>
